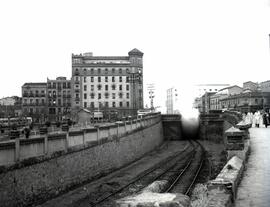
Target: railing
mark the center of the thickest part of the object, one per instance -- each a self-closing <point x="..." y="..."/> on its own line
<point x="14" y="151"/>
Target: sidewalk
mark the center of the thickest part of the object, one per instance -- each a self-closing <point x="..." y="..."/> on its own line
<point x="254" y="189"/>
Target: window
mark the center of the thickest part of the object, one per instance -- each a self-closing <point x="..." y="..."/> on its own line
<point x="120" y="78"/>
<point x="127" y="79"/>
<point x="85" y="104"/>
<point x="92" y="79"/>
<point x="113" y="79"/>
<point x="99" y="79"/>
<point x="85" y="87"/>
<point x="92" y="95"/>
<point x="92" y="87"/>
<point x="113" y="95"/>
<point x="99" y="86"/>
<point x="106" y="95"/>
<point x="127" y="87"/>
<point x="106" y="104"/>
<point x="92" y="71"/>
<point x="92" y="105"/>
<point x="99" y="96"/>
<point x="120" y="70"/>
<point x="127" y="104"/>
<point x="113" y="70"/>
<point x="106" y="70"/>
<point x="113" y="86"/>
<point x="59" y="102"/>
<point x="127" y="95"/>
<point x="113" y="104"/>
<point x="106" y="79"/>
<point x="120" y="104"/>
<point x="127" y="70"/>
<point x="120" y="95"/>
<point x="120" y="87"/>
<point x="106" y="87"/>
<point x="85" y="96"/>
<point x="99" y="71"/>
<point x="77" y="95"/>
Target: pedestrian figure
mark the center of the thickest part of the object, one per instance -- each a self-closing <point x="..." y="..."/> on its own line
<point x="257" y="119"/>
<point x="266" y="118"/>
<point x="26" y="132"/>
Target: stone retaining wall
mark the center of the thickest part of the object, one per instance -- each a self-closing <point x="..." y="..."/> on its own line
<point x="28" y="183"/>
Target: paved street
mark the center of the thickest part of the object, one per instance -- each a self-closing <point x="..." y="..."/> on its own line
<point x="254" y="189"/>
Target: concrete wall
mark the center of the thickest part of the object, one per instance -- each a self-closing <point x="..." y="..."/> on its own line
<point x="28" y="183"/>
<point x="214" y="125"/>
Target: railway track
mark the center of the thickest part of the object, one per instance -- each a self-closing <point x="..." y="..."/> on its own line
<point x="134" y="186"/>
<point x="185" y="179"/>
<point x="176" y="169"/>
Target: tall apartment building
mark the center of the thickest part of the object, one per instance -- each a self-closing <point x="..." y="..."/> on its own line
<point x="172" y="101"/>
<point x="108" y="83"/>
<point x="58" y="98"/>
<point x="34" y="101"/>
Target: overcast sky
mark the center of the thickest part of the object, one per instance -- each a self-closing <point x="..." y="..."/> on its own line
<point x="184" y="42"/>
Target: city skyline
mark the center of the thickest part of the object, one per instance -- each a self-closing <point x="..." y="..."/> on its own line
<point x="184" y="43"/>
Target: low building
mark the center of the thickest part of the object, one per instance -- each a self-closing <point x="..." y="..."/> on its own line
<point x="247" y="101"/>
<point x="10" y="107"/>
<point x="84" y="116"/>
<point x="223" y="93"/>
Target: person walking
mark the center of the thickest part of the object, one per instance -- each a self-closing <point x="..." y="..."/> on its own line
<point x="257" y="119"/>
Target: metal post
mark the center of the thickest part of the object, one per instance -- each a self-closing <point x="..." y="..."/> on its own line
<point x="46" y="144"/>
<point x="17" y="149"/>
<point x="66" y="144"/>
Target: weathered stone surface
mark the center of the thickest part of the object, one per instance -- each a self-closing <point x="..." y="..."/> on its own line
<point x="156" y="187"/>
<point x="149" y="199"/>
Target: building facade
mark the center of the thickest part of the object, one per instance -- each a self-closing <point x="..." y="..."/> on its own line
<point x="265" y="86"/>
<point x="58" y="98"/>
<point x="223" y="93"/>
<point x="247" y="102"/>
<point x="108" y="83"/>
<point x="34" y="101"/>
<point x="201" y="89"/>
<point x="172" y="101"/>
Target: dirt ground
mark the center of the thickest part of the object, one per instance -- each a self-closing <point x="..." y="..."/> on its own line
<point x="216" y="156"/>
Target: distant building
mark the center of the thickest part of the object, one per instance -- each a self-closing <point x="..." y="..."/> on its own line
<point x="223" y="93"/>
<point x="7" y="101"/>
<point x="34" y="101"/>
<point x="205" y="102"/>
<point x="245" y="102"/>
<point x="58" y="98"/>
<point x="172" y="101"/>
<point x="265" y="86"/>
<point x="108" y="83"/>
<point x="10" y="106"/>
<point x="250" y="86"/>
<point x="201" y="89"/>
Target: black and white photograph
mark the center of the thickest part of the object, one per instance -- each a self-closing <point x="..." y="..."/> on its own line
<point x="130" y="103"/>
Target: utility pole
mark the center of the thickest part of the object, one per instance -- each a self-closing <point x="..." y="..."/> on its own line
<point x="151" y="91"/>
